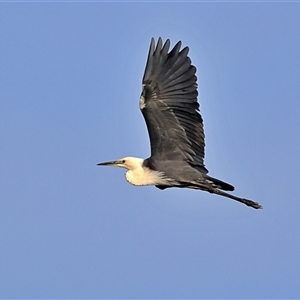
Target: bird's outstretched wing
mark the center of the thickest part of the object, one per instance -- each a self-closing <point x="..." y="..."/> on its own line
<point x="169" y="105"/>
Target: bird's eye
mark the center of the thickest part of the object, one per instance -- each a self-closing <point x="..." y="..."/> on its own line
<point x="123" y="161"/>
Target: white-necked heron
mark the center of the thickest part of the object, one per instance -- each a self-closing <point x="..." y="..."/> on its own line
<point x="169" y="105"/>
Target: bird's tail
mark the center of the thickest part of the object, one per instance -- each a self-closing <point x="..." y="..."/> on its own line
<point x="220" y="184"/>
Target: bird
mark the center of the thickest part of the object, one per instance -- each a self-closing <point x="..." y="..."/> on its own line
<point x="171" y="111"/>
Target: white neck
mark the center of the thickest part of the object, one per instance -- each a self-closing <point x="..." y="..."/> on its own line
<point x="144" y="176"/>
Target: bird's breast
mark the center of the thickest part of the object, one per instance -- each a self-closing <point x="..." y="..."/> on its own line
<point x="144" y="177"/>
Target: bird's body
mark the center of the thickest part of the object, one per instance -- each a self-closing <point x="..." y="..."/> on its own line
<point x="169" y="105"/>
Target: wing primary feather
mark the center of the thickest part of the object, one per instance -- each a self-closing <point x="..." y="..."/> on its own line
<point x="169" y="104"/>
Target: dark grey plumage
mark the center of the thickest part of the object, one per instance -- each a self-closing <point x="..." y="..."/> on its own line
<point x="171" y="111"/>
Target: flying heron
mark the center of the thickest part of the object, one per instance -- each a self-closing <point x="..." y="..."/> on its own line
<point x="169" y="105"/>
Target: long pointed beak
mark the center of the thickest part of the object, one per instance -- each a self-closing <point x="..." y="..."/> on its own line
<point x="108" y="163"/>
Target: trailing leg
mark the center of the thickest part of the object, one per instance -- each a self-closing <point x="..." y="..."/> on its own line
<point x="251" y="203"/>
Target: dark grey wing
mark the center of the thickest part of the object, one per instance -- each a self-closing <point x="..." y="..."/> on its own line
<point x="169" y="105"/>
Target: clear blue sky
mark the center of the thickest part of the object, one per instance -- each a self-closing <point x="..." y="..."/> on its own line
<point x="69" y="88"/>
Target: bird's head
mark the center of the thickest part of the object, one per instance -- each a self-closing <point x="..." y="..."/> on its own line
<point x="129" y="163"/>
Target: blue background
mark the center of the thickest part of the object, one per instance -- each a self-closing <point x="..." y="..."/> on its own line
<point x="70" y="83"/>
